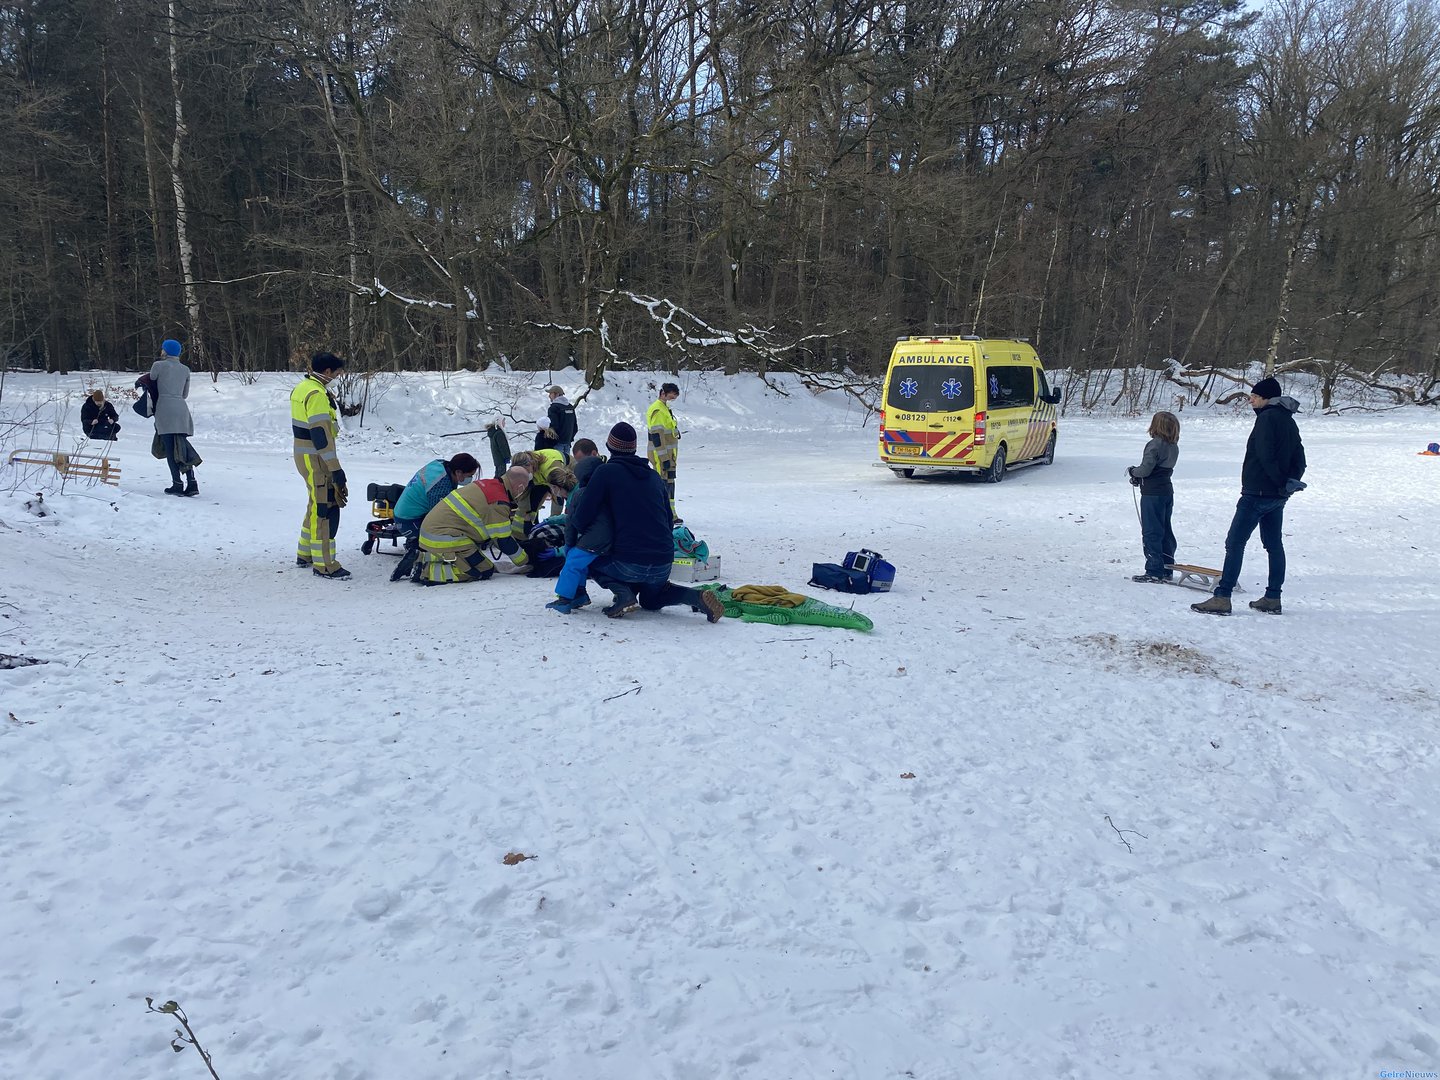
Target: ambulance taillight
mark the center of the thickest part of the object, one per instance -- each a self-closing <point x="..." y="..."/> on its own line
<point x="979" y="429"/>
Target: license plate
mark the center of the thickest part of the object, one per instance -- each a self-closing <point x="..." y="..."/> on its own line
<point x="904" y="450"/>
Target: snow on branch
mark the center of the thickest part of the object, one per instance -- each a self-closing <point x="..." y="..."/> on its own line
<point x="382" y="292"/>
<point x="600" y="330"/>
<point x="683" y="329"/>
<point x="376" y="291"/>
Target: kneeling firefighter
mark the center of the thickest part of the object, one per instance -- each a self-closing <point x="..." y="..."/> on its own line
<point x="541" y="464"/>
<point x="427" y="488"/>
<point x="453" y="536"/>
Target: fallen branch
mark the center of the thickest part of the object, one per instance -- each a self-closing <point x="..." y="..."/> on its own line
<point x="178" y="1043"/>
<point x="633" y="690"/>
<point x="1121" y="833"/>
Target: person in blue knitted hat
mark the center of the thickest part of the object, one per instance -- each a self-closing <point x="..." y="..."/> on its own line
<point x="173" y="422"/>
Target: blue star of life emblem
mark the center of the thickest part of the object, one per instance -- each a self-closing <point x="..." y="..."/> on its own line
<point x="909" y="388"/>
<point x="951" y="388"/>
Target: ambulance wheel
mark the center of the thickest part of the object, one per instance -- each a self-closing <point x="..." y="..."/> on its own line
<point x="1048" y="458"/>
<point x="996" y="472"/>
<point x="904" y="474"/>
<point x="368" y="546"/>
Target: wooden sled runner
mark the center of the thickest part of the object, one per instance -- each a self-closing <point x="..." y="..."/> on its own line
<point x="1203" y="578"/>
<point x="79" y="466"/>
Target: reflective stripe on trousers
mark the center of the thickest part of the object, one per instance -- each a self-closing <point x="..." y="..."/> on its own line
<point x="442" y="571"/>
<point x="322" y="516"/>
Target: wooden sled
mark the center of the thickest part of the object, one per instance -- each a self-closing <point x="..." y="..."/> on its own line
<point x="1196" y="577"/>
<point x="78" y="466"/>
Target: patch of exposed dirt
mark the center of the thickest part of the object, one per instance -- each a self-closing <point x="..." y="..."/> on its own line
<point x="1164" y="654"/>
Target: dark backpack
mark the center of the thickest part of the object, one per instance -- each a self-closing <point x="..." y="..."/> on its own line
<point x="864" y="571"/>
<point x="145" y="403"/>
<point x="829" y="575"/>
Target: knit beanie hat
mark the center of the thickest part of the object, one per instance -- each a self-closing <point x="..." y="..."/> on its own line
<point x="170" y="347"/>
<point x="1267" y="389"/>
<point x="621" y="438"/>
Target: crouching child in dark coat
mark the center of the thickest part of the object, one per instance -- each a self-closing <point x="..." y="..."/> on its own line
<point x="581" y="549"/>
<point x="98" y="418"/>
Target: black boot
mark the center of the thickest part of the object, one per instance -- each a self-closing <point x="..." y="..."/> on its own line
<point x="625" y="602"/>
<point x="191" y="487"/>
<point x="407" y="563"/>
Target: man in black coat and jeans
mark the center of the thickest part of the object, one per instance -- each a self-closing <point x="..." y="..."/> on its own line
<point x="1274" y="464"/>
<point x="559" y="429"/>
<point x="637" y="567"/>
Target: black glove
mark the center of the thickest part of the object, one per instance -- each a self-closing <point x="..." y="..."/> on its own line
<point x="1293" y="485"/>
<point x="338" y="478"/>
<point x="342" y="496"/>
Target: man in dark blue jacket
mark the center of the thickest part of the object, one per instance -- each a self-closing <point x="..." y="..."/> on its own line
<point x="637" y="568"/>
<point x="1274" y="464"/>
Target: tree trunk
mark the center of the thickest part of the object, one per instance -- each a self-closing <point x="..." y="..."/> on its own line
<point x="155" y="184"/>
<point x="182" y="232"/>
<point x="352" y="298"/>
<point x="1282" y="302"/>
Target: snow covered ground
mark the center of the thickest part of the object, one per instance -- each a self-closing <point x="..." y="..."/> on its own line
<point x="1138" y="842"/>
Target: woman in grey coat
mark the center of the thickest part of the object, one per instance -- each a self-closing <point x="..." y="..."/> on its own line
<point x="172" y="417"/>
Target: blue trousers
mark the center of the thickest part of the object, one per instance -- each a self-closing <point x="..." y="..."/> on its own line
<point x="572" y="574"/>
<point x="1269" y="515"/>
<point x="1156" y="536"/>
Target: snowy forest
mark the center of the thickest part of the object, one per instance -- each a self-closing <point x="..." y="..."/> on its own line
<point x="722" y="183"/>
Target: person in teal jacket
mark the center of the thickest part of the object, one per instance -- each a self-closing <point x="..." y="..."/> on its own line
<point x="426" y="490"/>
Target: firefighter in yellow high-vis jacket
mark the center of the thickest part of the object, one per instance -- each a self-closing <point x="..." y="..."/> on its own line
<point x="664" y="439"/>
<point x="455" y="534"/>
<point x="314" y="422"/>
<point x="540" y="464"/>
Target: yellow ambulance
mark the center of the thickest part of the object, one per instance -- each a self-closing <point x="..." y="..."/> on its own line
<point x="966" y="404"/>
